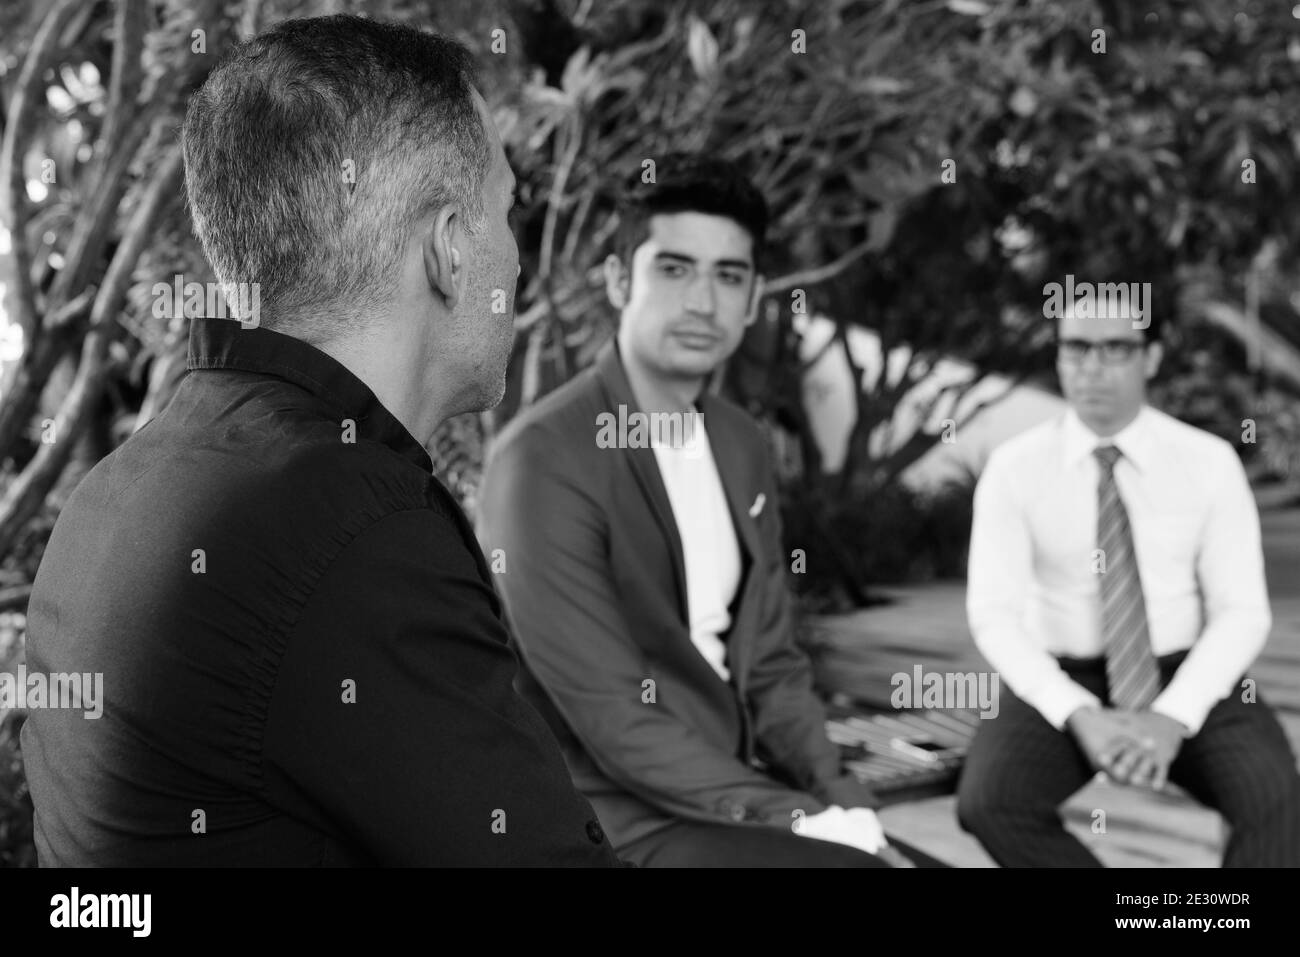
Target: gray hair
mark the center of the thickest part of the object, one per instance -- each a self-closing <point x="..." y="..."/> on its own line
<point x="312" y="150"/>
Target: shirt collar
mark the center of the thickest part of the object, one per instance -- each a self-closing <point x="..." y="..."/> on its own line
<point x="1133" y="441"/>
<point x="226" y="344"/>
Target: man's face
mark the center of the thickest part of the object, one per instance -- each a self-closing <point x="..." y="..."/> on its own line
<point x="488" y="308"/>
<point x="688" y="296"/>
<point x="1105" y="391"/>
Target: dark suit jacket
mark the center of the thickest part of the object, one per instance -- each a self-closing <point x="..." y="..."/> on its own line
<point x="299" y="639"/>
<point x="590" y="567"/>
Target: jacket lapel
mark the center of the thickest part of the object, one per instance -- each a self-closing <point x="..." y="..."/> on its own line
<point x="729" y="455"/>
<point x="618" y="391"/>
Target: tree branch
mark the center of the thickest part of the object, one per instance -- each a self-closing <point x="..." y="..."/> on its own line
<point x="810" y="277"/>
<point x="15" y="597"/>
<point x="89" y="237"/>
<point x="921" y="441"/>
<point x="124" y="84"/>
<point x="90" y="233"/>
<point x="24" y="497"/>
<point x="20" y="125"/>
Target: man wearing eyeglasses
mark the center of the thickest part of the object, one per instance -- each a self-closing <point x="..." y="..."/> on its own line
<point x="1116" y="582"/>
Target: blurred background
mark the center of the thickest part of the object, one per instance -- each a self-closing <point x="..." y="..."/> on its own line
<point x="930" y="166"/>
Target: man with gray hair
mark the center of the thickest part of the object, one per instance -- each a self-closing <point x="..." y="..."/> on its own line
<point x="304" y="659"/>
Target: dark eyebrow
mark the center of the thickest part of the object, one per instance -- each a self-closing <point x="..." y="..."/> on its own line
<point x="691" y="261"/>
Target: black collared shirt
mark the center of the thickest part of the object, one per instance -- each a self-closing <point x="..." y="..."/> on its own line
<point x="303" y="656"/>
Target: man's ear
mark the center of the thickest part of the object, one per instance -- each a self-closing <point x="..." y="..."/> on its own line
<point x="616" y="281"/>
<point x="1155" y="353"/>
<point x="442" y="263"/>
<point x="755" y="297"/>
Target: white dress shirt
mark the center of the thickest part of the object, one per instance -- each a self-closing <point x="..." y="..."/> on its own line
<point x="1032" y="588"/>
<point x="709" y="547"/>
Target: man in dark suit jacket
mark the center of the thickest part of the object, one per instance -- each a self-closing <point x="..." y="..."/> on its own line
<point x="632" y="519"/>
<point x="301" y="654"/>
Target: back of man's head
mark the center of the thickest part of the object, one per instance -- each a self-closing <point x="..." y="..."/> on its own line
<point x="313" y="149"/>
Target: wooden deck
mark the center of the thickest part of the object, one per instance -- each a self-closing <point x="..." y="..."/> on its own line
<point x="860" y="652"/>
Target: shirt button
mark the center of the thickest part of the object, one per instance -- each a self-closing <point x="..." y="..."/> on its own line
<point x="595" y="833"/>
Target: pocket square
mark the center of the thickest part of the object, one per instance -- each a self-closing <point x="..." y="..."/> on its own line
<point x="757" y="507"/>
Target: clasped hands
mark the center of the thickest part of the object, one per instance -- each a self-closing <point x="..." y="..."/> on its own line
<point x="1131" y="747"/>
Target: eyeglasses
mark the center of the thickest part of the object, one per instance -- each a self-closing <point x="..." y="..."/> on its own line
<point x="1112" y="352"/>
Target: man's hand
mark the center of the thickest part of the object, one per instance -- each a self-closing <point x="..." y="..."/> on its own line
<point x="857" y="827"/>
<point x="1153" y="742"/>
<point x="1100" y="732"/>
<point x="871" y="833"/>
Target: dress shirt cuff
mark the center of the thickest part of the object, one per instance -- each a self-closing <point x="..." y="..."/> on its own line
<point x="1062" y="700"/>
<point x="1182" y="707"/>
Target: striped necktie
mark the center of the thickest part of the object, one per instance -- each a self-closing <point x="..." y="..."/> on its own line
<point x="1131" y="670"/>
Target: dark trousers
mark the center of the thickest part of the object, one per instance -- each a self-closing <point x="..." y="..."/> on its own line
<point x="691" y="844"/>
<point x="1020" y="770"/>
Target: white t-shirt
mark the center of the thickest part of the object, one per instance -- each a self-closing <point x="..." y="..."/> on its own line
<point x="709" y="546"/>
